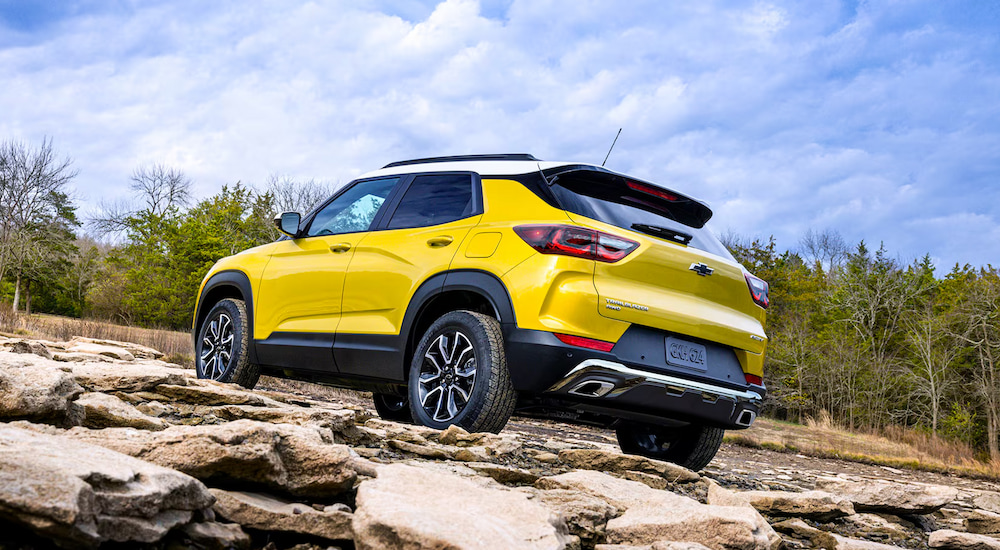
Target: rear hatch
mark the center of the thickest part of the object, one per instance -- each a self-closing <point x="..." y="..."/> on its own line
<point x="680" y="279"/>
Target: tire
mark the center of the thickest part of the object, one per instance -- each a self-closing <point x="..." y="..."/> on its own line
<point x="692" y="446"/>
<point x="459" y="375"/>
<point x="222" y="347"/>
<point x="393" y="407"/>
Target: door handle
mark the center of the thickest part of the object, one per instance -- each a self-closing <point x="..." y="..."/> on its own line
<point x="438" y="242"/>
<point x="340" y="248"/>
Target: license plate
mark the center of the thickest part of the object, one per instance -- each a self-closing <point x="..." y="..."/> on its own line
<point x="686" y="354"/>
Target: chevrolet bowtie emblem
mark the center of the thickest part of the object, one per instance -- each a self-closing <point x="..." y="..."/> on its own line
<point x="701" y="269"/>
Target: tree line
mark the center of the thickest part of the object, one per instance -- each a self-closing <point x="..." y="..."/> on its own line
<point x="876" y="343"/>
<point x="139" y="261"/>
<point x="854" y="332"/>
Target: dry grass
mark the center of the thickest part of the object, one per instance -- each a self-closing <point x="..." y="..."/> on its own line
<point x="896" y="447"/>
<point x="176" y="345"/>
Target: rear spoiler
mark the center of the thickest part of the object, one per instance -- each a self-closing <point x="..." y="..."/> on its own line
<point x="607" y="185"/>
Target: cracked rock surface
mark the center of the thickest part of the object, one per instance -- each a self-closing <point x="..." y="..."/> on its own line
<point x="103" y="443"/>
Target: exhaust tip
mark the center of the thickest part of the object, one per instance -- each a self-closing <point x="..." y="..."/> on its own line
<point x="592" y="388"/>
<point x="746" y="418"/>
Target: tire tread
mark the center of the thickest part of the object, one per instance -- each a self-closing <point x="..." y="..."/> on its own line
<point x="694" y="446"/>
<point x="494" y="409"/>
<point x="704" y="448"/>
<point x="500" y="397"/>
<point x="244" y="372"/>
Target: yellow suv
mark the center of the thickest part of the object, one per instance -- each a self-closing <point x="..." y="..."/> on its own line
<point x="462" y="289"/>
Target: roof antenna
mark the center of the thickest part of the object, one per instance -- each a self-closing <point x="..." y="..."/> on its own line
<point x="612" y="146"/>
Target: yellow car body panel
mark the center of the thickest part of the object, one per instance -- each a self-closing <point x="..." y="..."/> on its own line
<point x="557" y="294"/>
<point x="716" y="308"/>
<point x="388" y="267"/>
<point x="752" y="363"/>
<point x="549" y="293"/>
<point x="251" y="263"/>
<point x="503" y="199"/>
<point x="301" y="289"/>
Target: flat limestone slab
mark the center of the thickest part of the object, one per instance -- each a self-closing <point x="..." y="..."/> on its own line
<point x="83" y="494"/>
<point x="269" y="513"/>
<point x="410" y="508"/>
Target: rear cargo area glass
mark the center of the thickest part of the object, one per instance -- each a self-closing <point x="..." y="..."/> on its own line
<point x="575" y="198"/>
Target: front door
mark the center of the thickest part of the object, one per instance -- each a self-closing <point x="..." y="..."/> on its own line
<point x="299" y="301"/>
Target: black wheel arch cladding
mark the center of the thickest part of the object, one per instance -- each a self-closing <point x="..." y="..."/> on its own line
<point x="225" y="284"/>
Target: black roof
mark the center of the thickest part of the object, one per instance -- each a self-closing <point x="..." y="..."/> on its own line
<point x="460" y="158"/>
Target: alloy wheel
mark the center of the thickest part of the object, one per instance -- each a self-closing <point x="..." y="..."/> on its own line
<point x="217" y="346"/>
<point x="447" y="376"/>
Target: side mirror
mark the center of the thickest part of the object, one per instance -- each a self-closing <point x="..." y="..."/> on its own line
<point x="288" y="223"/>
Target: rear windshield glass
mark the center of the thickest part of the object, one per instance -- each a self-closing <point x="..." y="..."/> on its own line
<point x="625" y="215"/>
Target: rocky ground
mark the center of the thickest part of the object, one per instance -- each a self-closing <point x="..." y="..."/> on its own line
<point x="104" y="444"/>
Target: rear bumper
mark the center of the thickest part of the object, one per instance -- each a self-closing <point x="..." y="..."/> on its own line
<point x="597" y="386"/>
<point x="630" y="382"/>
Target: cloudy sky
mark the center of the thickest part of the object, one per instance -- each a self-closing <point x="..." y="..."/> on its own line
<point x="880" y="120"/>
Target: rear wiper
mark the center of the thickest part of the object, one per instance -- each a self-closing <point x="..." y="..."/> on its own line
<point x="663" y="232"/>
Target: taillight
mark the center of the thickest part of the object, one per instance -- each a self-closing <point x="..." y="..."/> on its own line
<point x="650" y="190"/>
<point x="589" y="343"/>
<point x="754" y="379"/>
<point x="759" y="290"/>
<point x="580" y="242"/>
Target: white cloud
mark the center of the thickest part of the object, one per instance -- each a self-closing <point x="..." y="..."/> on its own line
<point x="784" y="116"/>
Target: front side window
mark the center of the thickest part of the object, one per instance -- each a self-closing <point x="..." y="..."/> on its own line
<point x="353" y="211"/>
<point x="434" y="199"/>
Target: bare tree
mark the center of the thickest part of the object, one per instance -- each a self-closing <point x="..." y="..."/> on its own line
<point x="34" y="200"/>
<point x="113" y="218"/>
<point x="84" y="270"/>
<point x="982" y="316"/>
<point x="826" y="248"/>
<point x="795" y="351"/>
<point x="839" y="379"/>
<point x="935" y="349"/>
<point x="107" y="297"/>
<point x="156" y="188"/>
<point x="294" y="196"/>
<point x="159" y="187"/>
<point x="733" y="240"/>
<point x="875" y="294"/>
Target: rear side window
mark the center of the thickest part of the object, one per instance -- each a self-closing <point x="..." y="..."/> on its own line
<point x="434" y="199"/>
<point x="606" y="206"/>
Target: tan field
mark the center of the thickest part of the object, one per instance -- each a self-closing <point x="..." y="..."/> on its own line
<point x="897" y="447"/>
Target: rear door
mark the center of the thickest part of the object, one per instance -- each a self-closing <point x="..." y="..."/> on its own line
<point x="417" y="238"/>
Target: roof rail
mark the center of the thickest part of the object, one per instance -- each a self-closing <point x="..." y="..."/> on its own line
<point x="460" y="158"/>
